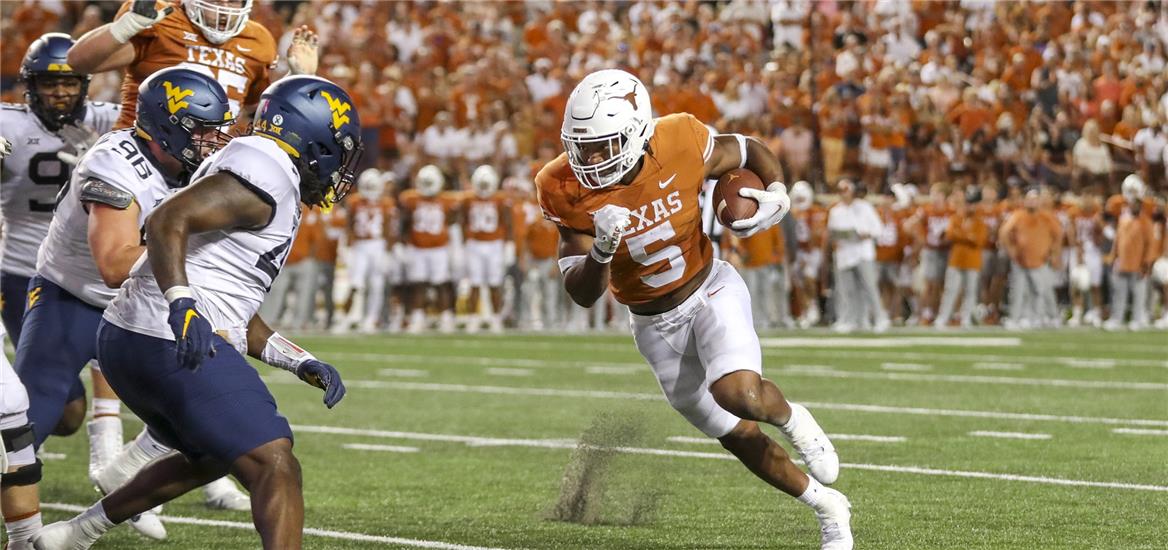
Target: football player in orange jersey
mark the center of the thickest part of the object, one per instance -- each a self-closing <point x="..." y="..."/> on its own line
<point x="486" y="217"/>
<point x="1086" y="260"/>
<point x="214" y="37"/>
<point x="933" y="218"/>
<point x="811" y="235"/>
<point x="426" y="215"/>
<point x="995" y="262"/>
<point x="625" y="198"/>
<point x="891" y="247"/>
<point x="370" y="236"/>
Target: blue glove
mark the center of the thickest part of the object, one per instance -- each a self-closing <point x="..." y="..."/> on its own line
<point x="193" y="337"/>
<point x="325" y="377"/>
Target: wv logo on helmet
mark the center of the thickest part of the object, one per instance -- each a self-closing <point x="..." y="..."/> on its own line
<point x="339" y="108"/>
<point x="176" y="97"/>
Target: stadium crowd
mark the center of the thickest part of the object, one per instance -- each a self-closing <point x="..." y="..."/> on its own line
<point x="959" y="163"/>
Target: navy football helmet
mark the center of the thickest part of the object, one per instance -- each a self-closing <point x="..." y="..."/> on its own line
<point x="184" y="112"/>
<point x="315" y="122"/>
<point x="45" y="61"/>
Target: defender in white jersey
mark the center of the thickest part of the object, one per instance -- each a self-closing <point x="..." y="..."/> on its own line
<point x="213" y="251"/>
<point x="56" y="118"/>
<point x="95" y="237"/>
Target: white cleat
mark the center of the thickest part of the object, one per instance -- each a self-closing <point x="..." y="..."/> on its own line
<point x="149" y="524"/>
<point x="105" y="442"/>
<point x="63" y="535"/>
<point x="813" y="445"/>
<point x="835" y="522"/>
<point x="222" y="494"/>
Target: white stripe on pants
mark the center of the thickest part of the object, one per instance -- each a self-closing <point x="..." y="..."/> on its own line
<point x="959" y="282"/>
<point x="857" y="300"/>
<point x="1135" y="284"/>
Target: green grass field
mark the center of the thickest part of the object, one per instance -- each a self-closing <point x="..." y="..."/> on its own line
<point x="462" y="442"/>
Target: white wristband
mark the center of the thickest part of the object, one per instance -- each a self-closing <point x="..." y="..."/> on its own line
<point x="127" y="26"/>
<point x="175" y="292"/>
<point x="281" y="353"/>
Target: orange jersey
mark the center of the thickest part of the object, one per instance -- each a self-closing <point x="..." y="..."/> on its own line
<point x="369" y="217"/>
<point x="1117" y="205"/>
<point x="763" y="248"/>
<point x="484" y="217"/>
<point x="935" y="221"/>
<point x="664" y="247"/>
<point x="969" y="235"/>
<point x="240" y="65"/>
<point x="543" y="239"/>
<point x="992" y="216"/>
<point x="308" y="237"/>
<point x="811" y="227"/>
<point x="430" y="217"/>
<point x="1087" y="227"/>
<point x="893" y="236"/>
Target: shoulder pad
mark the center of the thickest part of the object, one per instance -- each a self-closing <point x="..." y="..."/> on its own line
<point x="95" y="190"/>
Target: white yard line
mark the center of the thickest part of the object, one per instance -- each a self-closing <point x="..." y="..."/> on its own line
<point x="977" y="379"/>
<point x="942" y="357"/>
<point x="1009" y="435"/>
<point x="499" y="371"/>
<point x="999" y="366"/>
<point x="1138" y="431"/>
<point x="382" y="448"/>
<point x="836" y="342"/>
<point x="1088" y="363"/>
<point x="568" y="444"/>
<point x="833" y="437"/>
<point x="325" y="533"/>
<point x="52" y="456"/>
<point x="612" y="370"/>
<point x="631" y="396"/>
<point x="912" y="367"/>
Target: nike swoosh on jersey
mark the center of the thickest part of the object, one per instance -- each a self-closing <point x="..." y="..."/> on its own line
<point x="664" y="184"/>
<point x="191" y="314"/>
<point x="717" y="290"/>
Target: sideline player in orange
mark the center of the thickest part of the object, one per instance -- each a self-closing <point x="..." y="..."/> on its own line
<point x="426" y="216"/>
<point x="625" y="198"/>
<point x="216" y="38"/>
<point x="488" y="227"/>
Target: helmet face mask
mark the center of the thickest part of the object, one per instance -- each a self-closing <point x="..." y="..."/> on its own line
<point x="58" y="94"/>
<point x="218" y="20"/>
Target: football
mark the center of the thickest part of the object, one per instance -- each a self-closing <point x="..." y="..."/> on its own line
<point x="729" y="206"/>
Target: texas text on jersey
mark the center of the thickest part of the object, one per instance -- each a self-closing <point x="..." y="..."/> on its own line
<point x="665" y="246"/>
<point x="32" y="177"/>
<point x="240" y="64"/>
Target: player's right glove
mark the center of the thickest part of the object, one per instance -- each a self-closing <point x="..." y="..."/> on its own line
<point x="193" y="337"/>
<point x="79" y="139"/>
<point x="610" y="223"/>
<point x="141" y="16"/>
<point x="324" y="376"/>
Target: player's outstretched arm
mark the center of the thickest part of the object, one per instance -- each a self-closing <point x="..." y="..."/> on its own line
<point x="269" y="346"/>
<point x="108" y="47"/>
<point x="214" y="203"/>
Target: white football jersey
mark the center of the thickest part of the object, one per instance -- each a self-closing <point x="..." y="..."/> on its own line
<point x="31" y="179"/>
<point x="64" y="257"/>
<point x="228" y="271"/>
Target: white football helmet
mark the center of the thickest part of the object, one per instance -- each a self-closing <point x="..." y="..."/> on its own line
<point x="1132" y="188"/>
<point x="219" y="20"/>
<point x="484" y="181"/>
<point x="608" y="116"/>
<point x="1080" y="278"/>
<point x="370" y="183"/>
<point x="905" y="194"/>
<point x="430" y="180"/>
<point x="801" y="195"/>
<point x="1160" y="270"/>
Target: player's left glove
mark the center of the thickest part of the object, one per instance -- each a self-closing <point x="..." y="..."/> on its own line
<point x="193" y="337"/>
<point x="5" y="147"/>
<point x="773" y="205"/>
<point x="325" y="377"/>
<point x="79" y="138"/>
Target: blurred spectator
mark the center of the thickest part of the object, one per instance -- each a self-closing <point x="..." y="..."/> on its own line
<point x="854" y="226"/>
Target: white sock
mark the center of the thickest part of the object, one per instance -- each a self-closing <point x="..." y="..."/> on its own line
<point x="149" y="447"/>
<point x="20" y="530"/>
<point x="814" y="495"/>
<point x="93" y="522"/>
<point x="789" y="427"/>
<point x="106" y="407"/>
